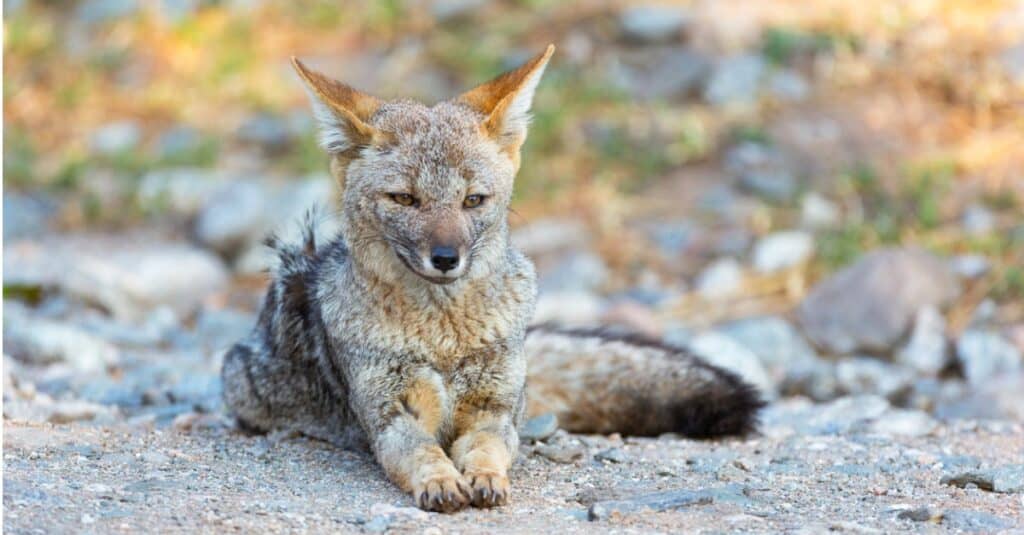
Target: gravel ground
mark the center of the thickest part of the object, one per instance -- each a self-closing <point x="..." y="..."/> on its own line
<point x="849" y="475"/>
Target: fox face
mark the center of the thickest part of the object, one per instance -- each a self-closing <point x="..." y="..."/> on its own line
<point x="425" y="189"/>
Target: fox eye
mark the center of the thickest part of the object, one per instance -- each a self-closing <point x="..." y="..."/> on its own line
<point x="472" y="201"/>
<point x="404" y="199"/>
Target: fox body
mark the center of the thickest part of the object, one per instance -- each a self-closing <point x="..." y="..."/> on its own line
<point x="408" y="332"/>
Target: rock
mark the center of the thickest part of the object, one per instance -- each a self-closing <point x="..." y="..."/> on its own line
<point x="869" y="306"/>
<point x="579" y="272"/>
<point x="763" y="171"/>
<point x="560" y="454"/>
<point x="657" y="73"/>
<point x="926" y="350"/>
<point x="43" y="341"/>
<point x="234" y="218"/>
<point x="723" y="351"/>
<point x="788" y="86"/>
<point x="178" y="141"/>
<point x="665" y="501"/>
<point x="65" y="412"/>
<point x="1007" y="479"/>
<point x="781" y="250"/>
<point x="612" y="455"/>
<point x="101" y="11"/>
<point x="1012" y="61"/>
<point x="266" y="131"/>
<point x="721" y="278"/>
<point x="866" y="375"/>
<point x="444" y="10"/>
<point x="125" y="275"/>
<point x="547" y="236"/>
<point x="970" y="266"/>
<point x="219" y="329"/>
<point x="836" y="417"/>
<point x="817" y="212"/>
<point x="978" y="220"/>
<point x="569" y="308"/>
<point x="903" y="422"/>
<point x="672" y="238"/>
<point x="984" y="355"/>
<point x="965" y="520"/>
<point x="735" y="80"/>
<point x="538" y="427"/>
<point x="181" y="190"/>
<point x="26" y="215"/>
<point x="652" y="23"/>
<point x="920" y="514"/>
<point x="116" y="138"/>
<point x="779" y="347"/>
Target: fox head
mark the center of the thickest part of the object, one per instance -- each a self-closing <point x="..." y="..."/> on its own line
<point x="426" y="189"/>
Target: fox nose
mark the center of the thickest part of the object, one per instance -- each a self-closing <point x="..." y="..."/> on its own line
<point x="444" y="258"/>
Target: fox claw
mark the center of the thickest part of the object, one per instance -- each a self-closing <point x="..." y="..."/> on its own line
<point x="489" y="490"/>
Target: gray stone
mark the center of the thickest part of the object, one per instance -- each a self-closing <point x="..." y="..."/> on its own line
<point x="178" y="140"/>
<point x="100" y="11"/>
<point x="181" y="190"/>
<point x="782" y="250"/>
<point x="234" y="218"/>
<point x="125" y="275"/>
<point x="723" y="351"/>
<point x="651" y="23"/>
<point x="1006" y="479"/>
<point x="735" y="80"/>
<point x="870" y="305"/>
<point x="560" y="454"/>
<point x="788" y="86"/>
<point x="1012" y="61"/>
<point x="978" y="220"/>
<point x="867" y="375"/>
<point x="763" y="171"/>
<point x="444" y="10"/>
<point x="903" y="422"/>
<point x="269" y="132"/>
<point x="984" y="355"/>
<point x="841" y="416"/>
<point x="657" y="73"/>
<point x="219" y="329"/>
<point x="26" y="215"/>
<point x="538" y="427"/>
<point x="43" y="341"/>
<point x="775" y="342"/>
<point x="579" y="272"/>
<point x="817" y="212"/>
<point x="971" y="266"/>
<point x="115" y="138"/>
<point x="920" y="514"/>
<point x="777" y="186"/>
<point x="926" y="350"/>
<point x="966" y="520"/>
<point x="721" y="278"/>
<point x="612" y="455"/>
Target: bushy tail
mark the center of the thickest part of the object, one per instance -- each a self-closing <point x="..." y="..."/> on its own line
<point x="596" y="381"/>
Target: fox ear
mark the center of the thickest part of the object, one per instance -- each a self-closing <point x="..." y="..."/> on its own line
<point x="343" y="112"/>
<point x="505" y="102"/>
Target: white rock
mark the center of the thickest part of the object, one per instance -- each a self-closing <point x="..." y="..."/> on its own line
<point x="926" y="349"/>
<point x="817" y="212"/>
<point x="720" y="350"/>
<point x="904" y="422"/>
<point x="721" y="278"/>
<point x="985" y="355"/>
<point x="782" y="250"/>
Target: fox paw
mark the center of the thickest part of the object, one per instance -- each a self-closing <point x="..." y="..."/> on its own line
<point x="488" y="489"/>
<point x="443" y="494"/>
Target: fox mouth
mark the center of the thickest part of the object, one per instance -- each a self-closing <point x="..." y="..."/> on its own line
<point x="433" y="280"/>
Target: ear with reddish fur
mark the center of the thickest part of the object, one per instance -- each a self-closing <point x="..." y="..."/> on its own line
<point x="505" y="102"/>
<point x="343" y="112"/>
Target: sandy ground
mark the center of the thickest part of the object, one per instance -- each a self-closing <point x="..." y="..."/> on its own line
<point x="209" y="478"/>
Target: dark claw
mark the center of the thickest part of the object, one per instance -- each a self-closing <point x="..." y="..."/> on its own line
<point x="423" y="499"/>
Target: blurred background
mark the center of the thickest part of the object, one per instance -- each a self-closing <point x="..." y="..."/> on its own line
<point x="824" y="196"/>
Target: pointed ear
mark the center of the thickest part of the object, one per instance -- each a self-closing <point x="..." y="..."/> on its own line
<point x="505" y="102"/>
<point x="342" y="112"/>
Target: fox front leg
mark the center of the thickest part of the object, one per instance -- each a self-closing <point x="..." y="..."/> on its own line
<point x="403" y="424"/>
<point x="483" y="451"/>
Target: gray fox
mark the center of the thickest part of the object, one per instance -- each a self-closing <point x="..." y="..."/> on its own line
<point x="408" y="333"/>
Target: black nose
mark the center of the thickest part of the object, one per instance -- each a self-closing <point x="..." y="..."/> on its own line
<point x="444" y="258"/>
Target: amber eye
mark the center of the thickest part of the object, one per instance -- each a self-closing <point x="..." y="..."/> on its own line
<point x="404" y="199"/>
<point x="472" y="201"/>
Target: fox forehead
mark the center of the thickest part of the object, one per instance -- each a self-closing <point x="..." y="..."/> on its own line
<point x="438" y="152"/>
